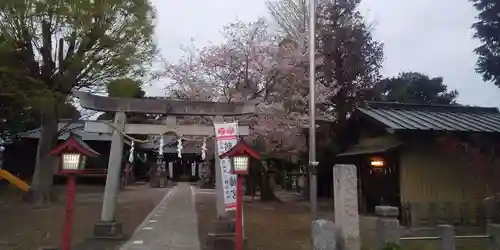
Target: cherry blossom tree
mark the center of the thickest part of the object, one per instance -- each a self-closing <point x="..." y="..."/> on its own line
<point x="251" y="64"/>
<point x="348" y="58"/>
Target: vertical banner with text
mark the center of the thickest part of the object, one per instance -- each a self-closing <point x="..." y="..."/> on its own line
<point x="226" y="135"/>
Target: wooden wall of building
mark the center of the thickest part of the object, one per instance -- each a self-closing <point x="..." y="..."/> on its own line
<point x="427" y="174"/>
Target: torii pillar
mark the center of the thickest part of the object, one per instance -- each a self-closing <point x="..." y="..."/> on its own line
<point x="109" y="227"/>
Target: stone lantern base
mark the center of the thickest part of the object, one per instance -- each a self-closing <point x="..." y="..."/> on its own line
<point x="160" y="180"/>
<point x="108" y="230"/>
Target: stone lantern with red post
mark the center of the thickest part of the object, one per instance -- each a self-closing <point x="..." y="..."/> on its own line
<point x="240" y="162"/>
<point x="73" y="153"/>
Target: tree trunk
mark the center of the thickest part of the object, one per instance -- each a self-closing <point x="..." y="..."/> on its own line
<point x="267" y="187"/>
<point x="45" y="164"/>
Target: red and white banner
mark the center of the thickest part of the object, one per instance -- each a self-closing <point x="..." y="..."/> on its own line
<point x="226" y="135"/>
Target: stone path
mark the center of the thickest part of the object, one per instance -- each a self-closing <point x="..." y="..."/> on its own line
<point x="172" y="225"/>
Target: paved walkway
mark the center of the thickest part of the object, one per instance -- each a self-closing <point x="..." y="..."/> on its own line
<point x="172" y="225"/>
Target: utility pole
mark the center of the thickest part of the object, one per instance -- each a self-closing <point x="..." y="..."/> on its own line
<point x="313" y="190"/>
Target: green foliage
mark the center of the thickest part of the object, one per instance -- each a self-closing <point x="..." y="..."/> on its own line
<point x="391" y="246"/>
<point x="412" y="87"/>
<point x="487" y="29"/>
<point x="125" y="87"/>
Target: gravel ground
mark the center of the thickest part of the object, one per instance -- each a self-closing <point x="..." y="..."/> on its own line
<point x="23" y="227"/>
<point x="268" y="226"/>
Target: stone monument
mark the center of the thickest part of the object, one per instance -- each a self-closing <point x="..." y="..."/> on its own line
<point x="345" y="193"/>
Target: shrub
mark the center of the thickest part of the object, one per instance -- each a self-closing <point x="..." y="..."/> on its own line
<point x="391" y="246"/>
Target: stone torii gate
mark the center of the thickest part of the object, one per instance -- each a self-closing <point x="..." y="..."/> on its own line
<point x="108" y="227"/>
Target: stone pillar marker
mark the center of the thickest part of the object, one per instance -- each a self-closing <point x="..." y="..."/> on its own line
<point x="108" y="227"/>
<point x="345" y="189"/>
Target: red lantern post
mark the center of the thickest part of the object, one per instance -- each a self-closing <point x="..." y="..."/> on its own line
<point x="240" y="158"/>
<point x="73" y="153"/>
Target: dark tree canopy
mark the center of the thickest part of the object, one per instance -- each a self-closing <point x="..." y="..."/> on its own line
<point x="412" y="87"/>
<point x="351" y="57"/>
<point x="487" y="30"/>
<point x="20" y="95"/>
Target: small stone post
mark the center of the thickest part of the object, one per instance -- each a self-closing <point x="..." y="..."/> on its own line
<point x="387" y="225"/>
<point x="345" y="189"/>
<point x="447" y="234"/>
<point x="326" y="236"/>
<point x="494" y="232"/>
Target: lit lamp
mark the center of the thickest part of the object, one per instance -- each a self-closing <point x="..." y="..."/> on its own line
<point x="240" y="164"/>
<point x="377" y="164"/>
<point x="72" y="162"/>
<point x="240" y="158"/>
<point x="73" y="153"/>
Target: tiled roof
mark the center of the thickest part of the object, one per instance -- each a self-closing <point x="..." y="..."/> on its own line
<point x="398" y="116"/>
<point x="76" y="128"/>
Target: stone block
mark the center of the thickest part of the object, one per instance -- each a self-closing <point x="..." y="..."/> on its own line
<point x="200" y="183"/>
<point x="387" y="211"/>
<point x="225" y="225"/>
<point x="159" y="180"/>
<point x="387" y="225"/>
<point x="108" y="230"/>
<point x="493" y="231"/>
<point x="220" y="241"/>
<point x="326" y="236"/>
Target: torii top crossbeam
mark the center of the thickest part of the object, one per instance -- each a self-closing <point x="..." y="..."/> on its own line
<point x="163" y="106"/>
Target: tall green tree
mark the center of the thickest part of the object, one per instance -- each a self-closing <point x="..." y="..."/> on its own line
<point x="65" y="45"/>
<point x="487" y="29"/>
<point x="413" y="87"/>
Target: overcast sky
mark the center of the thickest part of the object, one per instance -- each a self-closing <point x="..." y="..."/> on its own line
<point x="428" y="36"/>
